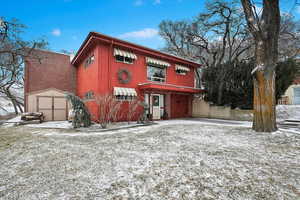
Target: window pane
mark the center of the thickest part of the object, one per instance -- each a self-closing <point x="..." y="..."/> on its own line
<point x="156" y="73"/>
<point x="128" y="60"/>
<point x="119" y="58"/>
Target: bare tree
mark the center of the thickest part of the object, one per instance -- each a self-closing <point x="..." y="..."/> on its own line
<point x="289" y="37"/>
<point x="265" y="29"/>
<point x="13" y="51"/>
<point x="215" y="37"/>
<point x="109" y="108"/>
<point x="133" y="108"/>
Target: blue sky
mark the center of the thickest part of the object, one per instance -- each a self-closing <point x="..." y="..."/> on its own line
<point x="66" y="23"/>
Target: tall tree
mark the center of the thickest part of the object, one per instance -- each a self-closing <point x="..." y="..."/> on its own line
<point x="13" y="51"/>
<point x="215" y="36"/>
<point x="265" y="28"/>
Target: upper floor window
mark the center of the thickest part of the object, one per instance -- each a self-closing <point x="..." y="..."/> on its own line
<point x="124" y="59"/>
<point x="155" y="73"/>
<point x="89" y="60"/>
<point x="182" y="70"/>
<point x="156" y="69"/>
<point x="124" y="56"/>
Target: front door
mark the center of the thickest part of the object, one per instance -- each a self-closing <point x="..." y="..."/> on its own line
<point x="155" y="107"/>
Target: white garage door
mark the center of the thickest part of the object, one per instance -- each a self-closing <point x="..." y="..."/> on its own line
<point x="297" y="96"/>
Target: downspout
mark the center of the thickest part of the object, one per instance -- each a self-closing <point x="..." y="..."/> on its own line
<point x="109" y="66"/>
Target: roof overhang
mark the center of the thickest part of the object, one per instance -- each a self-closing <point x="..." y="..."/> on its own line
<point x="169" y="87"/>
<point x="97" y="37"/>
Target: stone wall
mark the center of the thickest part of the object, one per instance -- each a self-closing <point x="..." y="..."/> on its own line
<point x="204" y="109"/>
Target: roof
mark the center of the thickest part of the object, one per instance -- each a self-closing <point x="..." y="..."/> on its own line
<point x="108" y="39"/>
<point x="49" y="51"/>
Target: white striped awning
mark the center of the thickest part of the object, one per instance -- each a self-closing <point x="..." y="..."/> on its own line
<point x="157" y="62"/>
<point x="183" y="68"/>
<point x="118" y="52"/>
<point x="124" y="91"/>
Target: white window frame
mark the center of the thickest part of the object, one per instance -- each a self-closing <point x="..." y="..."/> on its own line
<point x="90" y="60"/>
<point x="125" y="98"/>
<point x="162" y="80"/>
<point x="124" y="61"/>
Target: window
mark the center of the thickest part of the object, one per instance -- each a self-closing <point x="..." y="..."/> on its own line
<point x="89" y="95"/>
<point x="124" y="59"/>
<point x="89" y="60"/>
<point x="155" y="73"/>
<point x="125" y="98"/>
<point x="198" y="82"/>
<point x="181" y="72"/>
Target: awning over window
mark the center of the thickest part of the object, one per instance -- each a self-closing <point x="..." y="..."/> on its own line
<point x="157" y="62"/>
<point x="125" y="91"/>
<point x="183" y="68"/>
<point x="118" y="52"/>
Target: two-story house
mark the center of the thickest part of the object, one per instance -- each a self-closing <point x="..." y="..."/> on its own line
<point x="107" y="65"/>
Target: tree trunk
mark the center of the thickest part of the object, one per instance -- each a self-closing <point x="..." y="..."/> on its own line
<point x="265" y="31"/>
<point x="220" y="92"/>
<point x="264" y="119"/>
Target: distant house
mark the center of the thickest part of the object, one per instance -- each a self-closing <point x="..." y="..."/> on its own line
<point x="292" y="94"/>
<point x="107" y="65"/>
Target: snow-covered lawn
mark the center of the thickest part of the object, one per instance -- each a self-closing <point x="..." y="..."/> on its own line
<point x="178" y="159"/>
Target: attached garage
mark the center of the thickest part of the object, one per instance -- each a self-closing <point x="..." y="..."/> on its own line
<point x="180" y="106"/>
<point x="51" y="102"/>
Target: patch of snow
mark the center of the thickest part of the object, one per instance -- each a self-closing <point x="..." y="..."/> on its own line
<point x="175" y="159"/>
<point x="284" y="112"/>
<point x="52" y="124"/>
<point x="6" y="110"/>
<point x="16" y="119"/>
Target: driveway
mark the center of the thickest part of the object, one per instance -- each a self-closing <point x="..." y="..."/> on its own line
<point x="176" y="159"/>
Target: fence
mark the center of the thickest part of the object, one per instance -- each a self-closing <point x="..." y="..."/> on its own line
<point x="204" y="109"/>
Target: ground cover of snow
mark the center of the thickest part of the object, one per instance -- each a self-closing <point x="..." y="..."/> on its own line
<point x="175" y="159"/>
<point x="284" y="112"/>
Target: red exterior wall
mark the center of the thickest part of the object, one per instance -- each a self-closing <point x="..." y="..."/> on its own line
<point x="88" y="80"/>
<point x="102" y="76"/>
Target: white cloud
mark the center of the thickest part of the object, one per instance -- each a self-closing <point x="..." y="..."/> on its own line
<point x="141" y="34"/>
<point x="138" y="2"/>
<point x="157" y="2"/>
<point x="56" y="32"/>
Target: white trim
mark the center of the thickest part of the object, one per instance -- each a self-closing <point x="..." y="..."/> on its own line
<point x="125" y="91"/>
<point x="118" y="52"/>
<point x="181" y="67"/>
<point x="166" y="84"/>
<point x="157" y="62"/>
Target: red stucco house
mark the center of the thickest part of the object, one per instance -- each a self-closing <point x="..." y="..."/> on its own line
<point x="107" y="65"/>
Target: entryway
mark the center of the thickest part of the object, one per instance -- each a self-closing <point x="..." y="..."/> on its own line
<point x="156" y="105"/>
